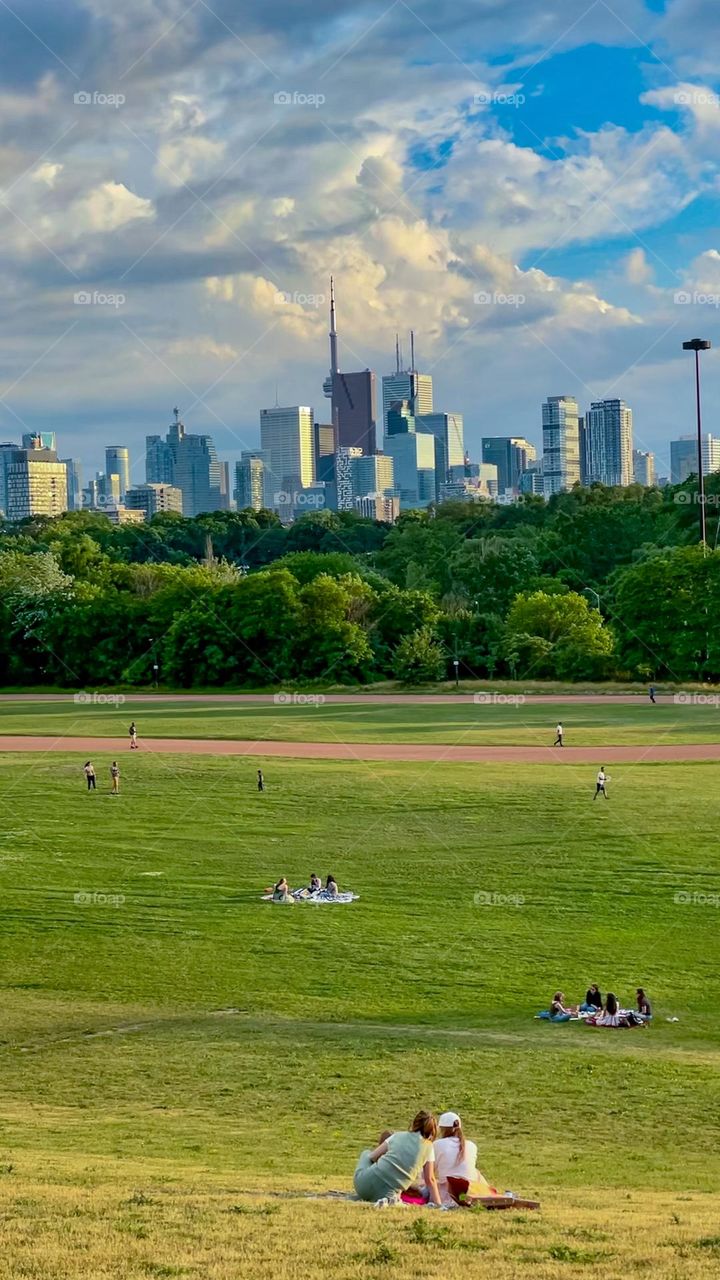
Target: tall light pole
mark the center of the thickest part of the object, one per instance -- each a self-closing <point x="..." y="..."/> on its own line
<point x="697" y="345"/>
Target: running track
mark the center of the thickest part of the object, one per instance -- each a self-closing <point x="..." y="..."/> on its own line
<point x="344" y="751"/>
<point x="390" y="699"/>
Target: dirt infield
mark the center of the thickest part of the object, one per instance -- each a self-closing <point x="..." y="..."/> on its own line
<point x="436" y="754"/>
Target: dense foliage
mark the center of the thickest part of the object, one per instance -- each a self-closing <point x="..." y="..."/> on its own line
<point x="596" y="583"/>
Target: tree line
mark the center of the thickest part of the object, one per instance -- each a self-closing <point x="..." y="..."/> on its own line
<point x="598" y="583"/>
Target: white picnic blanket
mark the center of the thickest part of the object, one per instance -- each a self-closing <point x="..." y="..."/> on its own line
<point x="319" y="898"/>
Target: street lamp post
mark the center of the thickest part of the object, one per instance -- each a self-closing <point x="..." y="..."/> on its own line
<point x="697" y="345"/>
<point x="456" y="664"/>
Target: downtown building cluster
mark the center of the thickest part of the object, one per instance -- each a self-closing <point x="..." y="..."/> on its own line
<point x="412" y="455"/>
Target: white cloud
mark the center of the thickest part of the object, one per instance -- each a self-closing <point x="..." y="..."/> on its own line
<point x="108" y="207"/>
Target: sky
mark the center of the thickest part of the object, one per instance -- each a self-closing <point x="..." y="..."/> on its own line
<point x="531" y="185"/>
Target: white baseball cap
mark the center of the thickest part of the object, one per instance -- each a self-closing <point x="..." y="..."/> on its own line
<point x="448" y="1119"/>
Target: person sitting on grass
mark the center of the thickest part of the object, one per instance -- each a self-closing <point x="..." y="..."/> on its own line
<point x="398" y="1162"/>
<point x="611" y="1015"/>
<point x="331" y="887"/>
<point x="644" y="1007"/>
<point x="557" y="1011"/>
<point x="456" y="1157"/>
<point x="315" y="883"/>
<point x="593" y="999"/>
<point x="281" y="892"/>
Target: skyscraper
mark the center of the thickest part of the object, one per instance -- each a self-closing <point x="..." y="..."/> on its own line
<point x="250" y="481"/>
<point x="117" y="463"/>
<point x="190" y="463"/>
<point x="511" y="455"/>
<point x="324" y="446"/>
<point x="683" y="456"/>
<point x="372" y="475"/>
<point x="608" y="443"/>
<point x="353" y="397"/>
<point x="407" y="384"/>
<point x="643" y="468"/>
<point x="74" y="483"/>
<point x="561" y="444"/>
<point x="36" y="482"/>
<point x="286" y="437"/>
<point x="413" y="455"/>
<point x="447" y="428"/>
<point x="6" y="451"/>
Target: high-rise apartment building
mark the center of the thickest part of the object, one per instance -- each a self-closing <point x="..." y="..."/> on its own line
<point x="683" y="456"/>
<point x="608" y="443"/>
<point x="36" y="482"/>
<point x="643" y="468"/>
<point x="251" y="476"/>
<point x="153" y="499"/>
<point x="372" y="474"/>
<point x="343" y="487"/>
<point x="117" y="463"/>
<point x="378" y="506"/>
<point x="511" y="455"/>
<point x="324" y="446"/>
<point x="190" y="463"/>
<point x="561" y="444"/>
<point x="286" y="438"/>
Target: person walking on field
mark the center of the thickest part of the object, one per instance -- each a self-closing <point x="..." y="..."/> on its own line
<point x="600" y="788"/>
<point x="558" y="736"/>
<point x="115" y="778"/>
<point x="260" y="781"/>
<point x="133" y="736"/>
<point x="89" y="772"/>
<point x="651" y="692"/>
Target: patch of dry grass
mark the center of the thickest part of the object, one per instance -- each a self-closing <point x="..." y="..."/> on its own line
<point x="138" y="1221"/>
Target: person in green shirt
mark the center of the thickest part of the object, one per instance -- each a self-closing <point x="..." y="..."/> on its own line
<point x="398" y="1163"/>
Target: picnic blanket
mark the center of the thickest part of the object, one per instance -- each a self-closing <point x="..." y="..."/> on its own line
<point x="319" y="898"/>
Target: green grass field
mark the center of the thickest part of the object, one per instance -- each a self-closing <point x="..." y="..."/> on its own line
<point x="174" y="1050"/>
<point x="529" y="724"/>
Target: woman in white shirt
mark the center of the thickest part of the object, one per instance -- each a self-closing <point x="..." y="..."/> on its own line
<point x="456" y="1157"/>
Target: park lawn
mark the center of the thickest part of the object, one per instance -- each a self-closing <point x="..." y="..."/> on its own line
<point x="501" y="724"/>
<point x="170" y="1043"/>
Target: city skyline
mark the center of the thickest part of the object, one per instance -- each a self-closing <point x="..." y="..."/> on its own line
<point x="449" y="169"/>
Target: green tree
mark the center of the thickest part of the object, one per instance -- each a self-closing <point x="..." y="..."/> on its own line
<point x="557" y="636"/>
<point x="419" y="658"/>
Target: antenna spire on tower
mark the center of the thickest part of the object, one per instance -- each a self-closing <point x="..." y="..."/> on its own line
<point x="412" y="350"/>
<point x="333" y="330"/>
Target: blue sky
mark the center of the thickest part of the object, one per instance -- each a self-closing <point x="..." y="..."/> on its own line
<point x="561" y="154"/>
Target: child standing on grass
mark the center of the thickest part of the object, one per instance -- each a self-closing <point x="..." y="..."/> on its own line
<point x="89" y="772"/>
<point x="114" y="778"/>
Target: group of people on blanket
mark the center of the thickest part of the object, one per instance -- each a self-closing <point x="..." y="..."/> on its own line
<point x="599" y="1012"/>
<point x="283" y="893"/>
